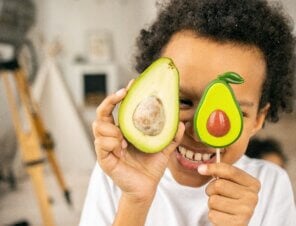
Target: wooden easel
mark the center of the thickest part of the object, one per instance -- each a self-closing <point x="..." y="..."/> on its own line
<point x="33" y="139"/>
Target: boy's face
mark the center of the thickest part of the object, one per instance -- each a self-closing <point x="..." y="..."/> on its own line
<point x="199" y="61"/>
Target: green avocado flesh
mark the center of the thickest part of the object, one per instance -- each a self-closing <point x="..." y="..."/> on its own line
<point x="218" y="119"/>
<point x="148" y="116"/>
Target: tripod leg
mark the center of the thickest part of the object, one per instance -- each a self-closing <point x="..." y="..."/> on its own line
<point x="30" y="148"/>
<point x="58" y="173"/>
<point x="36" y="175"/>
<point x="12" y="104"/>
<point x="44" y="137"/>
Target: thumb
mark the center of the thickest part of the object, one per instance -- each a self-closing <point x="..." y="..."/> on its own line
<point x="172" y="146"/>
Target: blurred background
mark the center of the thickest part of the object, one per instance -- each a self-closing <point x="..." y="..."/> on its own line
<point x="74" y="53"/>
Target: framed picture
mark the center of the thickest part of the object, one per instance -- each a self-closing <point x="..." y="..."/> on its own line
<point x="99" y="46"/>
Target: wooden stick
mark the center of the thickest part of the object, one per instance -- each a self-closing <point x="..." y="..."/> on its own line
<point x="218" y="156"/>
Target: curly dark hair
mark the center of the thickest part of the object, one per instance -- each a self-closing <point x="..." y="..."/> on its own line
<point x="249" y="22"/>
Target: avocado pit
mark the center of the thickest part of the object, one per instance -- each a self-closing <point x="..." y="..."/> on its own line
<point x="149" y="116"/>
<point x="218" y="123"/>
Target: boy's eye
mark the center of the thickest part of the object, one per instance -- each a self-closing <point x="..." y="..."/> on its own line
<point x="185" y="103"/>
<point x="244" y="114"/>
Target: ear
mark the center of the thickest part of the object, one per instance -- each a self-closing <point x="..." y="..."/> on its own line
<point x="260" y="118"/>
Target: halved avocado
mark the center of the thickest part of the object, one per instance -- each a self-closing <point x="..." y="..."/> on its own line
<point x="218" y="119"/>
<point x="149" y="114"/>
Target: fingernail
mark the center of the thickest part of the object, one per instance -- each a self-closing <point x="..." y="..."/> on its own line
<point x="203" y="169"/>
<point x="130" y="83"/>
<point x="182" y="125"/>
<point x="123" y="144"/>
<point x="120" y="92"/>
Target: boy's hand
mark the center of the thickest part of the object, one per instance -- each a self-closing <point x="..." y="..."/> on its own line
<point x="233" y="197"/>
<point x="136" y="173"/>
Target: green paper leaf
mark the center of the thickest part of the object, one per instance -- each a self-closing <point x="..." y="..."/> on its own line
<point x="231" y="77"/>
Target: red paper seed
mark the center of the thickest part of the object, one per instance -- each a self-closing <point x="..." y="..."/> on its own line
<point x="218" y="123"/>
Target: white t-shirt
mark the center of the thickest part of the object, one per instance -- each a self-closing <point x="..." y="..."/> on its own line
<point x="178" y="205"/>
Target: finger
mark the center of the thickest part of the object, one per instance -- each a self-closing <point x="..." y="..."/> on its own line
<point x="105" y="145"/>
<point x="225" y="188"/>
<point x="229" y="172"/>
<point x="227" y="205"/>
<point x="102" y="128"/>
<point x="173" y="145"/>
<point x="130" y="84"/>
<point x="219" y="218"/>
<point x="109" y="152"/>
<point x="104" y="111"/>
<point x="223" y="204"/>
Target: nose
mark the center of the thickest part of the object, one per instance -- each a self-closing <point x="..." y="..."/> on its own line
<point x="190" y="131"/>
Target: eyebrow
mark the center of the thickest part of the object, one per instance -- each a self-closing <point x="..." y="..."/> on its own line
<point x="183" y="91"/>
<point x="188" y="93"/>
<point x="245" y="103"/>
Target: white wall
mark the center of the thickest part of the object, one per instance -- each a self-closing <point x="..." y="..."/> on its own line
<point x="290" y="6"/>
<point x="71" y="20"/>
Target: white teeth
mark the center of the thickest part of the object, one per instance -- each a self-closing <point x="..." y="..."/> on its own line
<point x="182" y="150"/>
<point x="189" y="154"/>
<point x="197" y="156"/>
<point x="194" y="156"/>
<point x="206" y="157"/>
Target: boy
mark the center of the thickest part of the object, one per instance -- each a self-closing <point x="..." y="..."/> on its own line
<point x="204" y="38"/>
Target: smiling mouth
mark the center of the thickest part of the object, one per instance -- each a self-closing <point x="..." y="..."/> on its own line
<point x="195" y="156"/>
<point x="192" y="159"/>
